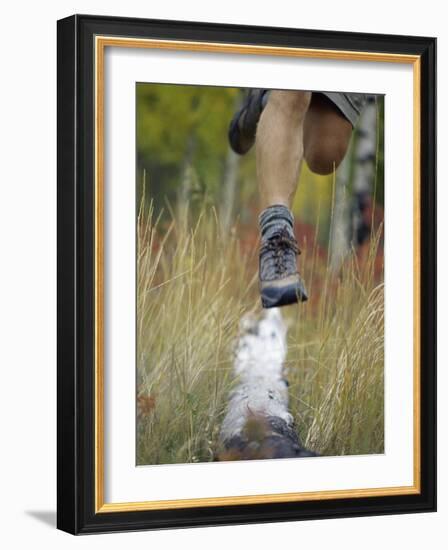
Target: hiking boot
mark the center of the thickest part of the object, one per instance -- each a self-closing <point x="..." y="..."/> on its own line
<point x="280" y="283"/>
<point x="243" y="125"/>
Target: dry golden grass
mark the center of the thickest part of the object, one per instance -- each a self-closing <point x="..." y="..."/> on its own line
<point x="193" y="287"/>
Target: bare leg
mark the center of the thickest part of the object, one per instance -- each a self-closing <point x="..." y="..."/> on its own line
<point x="292" y="124"/>
<point x="279" y="146"/>
<point x="326" y="135"/>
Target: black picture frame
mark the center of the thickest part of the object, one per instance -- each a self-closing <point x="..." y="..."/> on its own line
<point x="76" y="254"/>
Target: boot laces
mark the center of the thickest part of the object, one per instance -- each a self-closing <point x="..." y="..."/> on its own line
<point x="279" y="245"/>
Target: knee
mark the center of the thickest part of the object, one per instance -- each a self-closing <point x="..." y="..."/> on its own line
<point x="324" y="157"/>
<point x="290" y="102"/>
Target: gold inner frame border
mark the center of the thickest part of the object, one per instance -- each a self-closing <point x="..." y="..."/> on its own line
<point x="100" y="44"/>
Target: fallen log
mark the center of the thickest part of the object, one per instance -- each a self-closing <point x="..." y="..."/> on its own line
<point x="258" y="424"/>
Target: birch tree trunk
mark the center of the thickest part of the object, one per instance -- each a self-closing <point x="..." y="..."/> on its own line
<point x="354" y="188"/>
<point x="229" y="187"/>
<point x="229" y="182"/>
<point x="184" y="190"/>
<point x="364" y="172"/>
<point x="258" y="423"/>
<point x="340" y="220"/>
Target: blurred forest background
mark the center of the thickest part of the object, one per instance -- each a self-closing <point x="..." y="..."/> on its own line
<point x="182" y="147"/>
<point x="197" y="275"/>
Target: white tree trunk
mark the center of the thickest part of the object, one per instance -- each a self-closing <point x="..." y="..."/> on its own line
<point x="229" y="181"/>
<point x="258" y="423"/>
<point x="340" y="221"/>
<point x="229" y="187"/>
<point x="186" y="175"/>
<point x="364" y="171"/>
<point x="347" y="212"/>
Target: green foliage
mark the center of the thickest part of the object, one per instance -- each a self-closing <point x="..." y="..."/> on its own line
<point x="179" y="126"/>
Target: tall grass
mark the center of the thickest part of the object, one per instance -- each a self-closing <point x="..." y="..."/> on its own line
<point x="336" y="360"/>
<point x="194" y="284"/>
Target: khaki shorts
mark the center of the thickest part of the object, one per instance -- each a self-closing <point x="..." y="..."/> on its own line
<point x="350" y="105"/>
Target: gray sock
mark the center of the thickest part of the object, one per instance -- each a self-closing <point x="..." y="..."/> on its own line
<point x="275" y="218"/>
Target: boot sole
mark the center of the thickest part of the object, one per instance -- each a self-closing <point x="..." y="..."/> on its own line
<point x="283" y="296"/>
